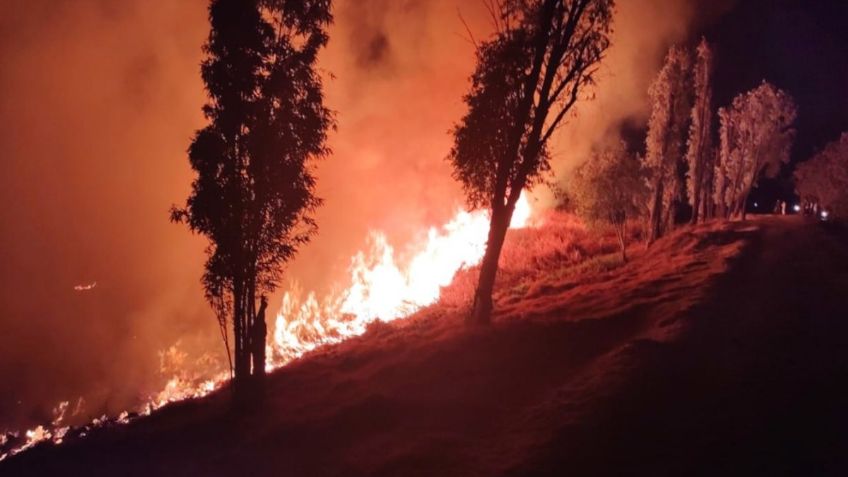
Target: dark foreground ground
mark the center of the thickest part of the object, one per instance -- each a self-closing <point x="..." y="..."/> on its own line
<point x="722" y="351"/>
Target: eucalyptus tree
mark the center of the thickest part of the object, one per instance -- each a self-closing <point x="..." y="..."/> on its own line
<point x="700" y="156"/>
<point x="254" y="193"/>
<point x="671" y="101"/>
<point x="529" y="75"/>
<point x="757" y="136"/>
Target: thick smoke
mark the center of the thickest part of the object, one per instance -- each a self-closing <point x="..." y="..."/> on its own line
<point x="98" y="101"/>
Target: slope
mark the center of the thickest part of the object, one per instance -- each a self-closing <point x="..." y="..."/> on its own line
<point x="718" y="351"/>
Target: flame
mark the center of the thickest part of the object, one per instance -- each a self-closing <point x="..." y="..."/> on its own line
<point x="380" y="288"/>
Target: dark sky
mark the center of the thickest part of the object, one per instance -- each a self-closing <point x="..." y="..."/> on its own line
<point x="98" y="103"/>
<point x="801" y="46"/>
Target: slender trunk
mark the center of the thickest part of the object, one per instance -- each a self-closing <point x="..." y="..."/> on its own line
<point x="622" y="240"/>
<point x="667" y="224"/>
<point x="242" y="365"/>
<point x="744" y="204"/>
<point x="250" y="311"/>
<point x="696" y="204"/>
<point x="222" y="324"/>
<point x="656" y="211"/>
<point x="481" y="313"/>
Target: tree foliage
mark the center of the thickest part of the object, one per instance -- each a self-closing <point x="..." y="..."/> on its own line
<point x="253" y="196"/>
<point x="610" y="189"/>
<point x="671" y="100"/>
<point x="528" y="77"/>
<point x="756" y="138"/>
<point x="700" y="155"/>
<point x="823" y="179"/>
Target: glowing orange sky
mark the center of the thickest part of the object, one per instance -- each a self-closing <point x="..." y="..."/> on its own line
<point x="98" y="101"/>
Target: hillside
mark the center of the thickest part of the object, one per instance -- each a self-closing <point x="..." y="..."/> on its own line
<point x="719" y="351"/>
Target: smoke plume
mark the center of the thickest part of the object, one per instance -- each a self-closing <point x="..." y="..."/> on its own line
<point x="98" y="101"/>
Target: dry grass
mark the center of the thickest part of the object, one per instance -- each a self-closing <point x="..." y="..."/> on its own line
<point x="560" y="247"/>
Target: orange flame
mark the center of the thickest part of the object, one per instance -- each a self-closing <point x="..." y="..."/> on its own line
<point x="379" y="289"/>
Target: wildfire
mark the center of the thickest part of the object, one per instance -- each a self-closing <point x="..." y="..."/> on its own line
<point x="380" y="288"/>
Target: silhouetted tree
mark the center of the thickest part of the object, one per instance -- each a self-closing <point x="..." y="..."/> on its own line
<point x="700" y="155"/>
<point x="824" y="178"/>
<point x="609" y="190"/>
<point x="757" y="137"/>
<point x="671" y="102"/>
<point x="253" y="196"/>
<point x="528" y="77"/>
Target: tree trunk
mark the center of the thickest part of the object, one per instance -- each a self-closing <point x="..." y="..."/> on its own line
<point x="696" y="205"/>
<point x="622" y="240"/>
<point x="242" y="357"/>
<point x="655" y="219"/>
<point x="481" y="313"/>
<point x="744" y="205"/>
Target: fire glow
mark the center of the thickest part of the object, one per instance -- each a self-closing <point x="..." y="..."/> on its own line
<point x="380" y="288"/>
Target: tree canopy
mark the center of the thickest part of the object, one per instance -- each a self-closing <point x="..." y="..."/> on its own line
<point x="823" y="179"/>
<point x="609" y="189"/>
<point x="254" y="194"/>
<point x="671" y="99"/>
<point x="528" y="77"/>
<point x="756" y="137"/>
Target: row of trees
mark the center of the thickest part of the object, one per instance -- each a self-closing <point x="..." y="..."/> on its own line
<point x="253" y="195"/>
<point x="686" y="168"/>
<point x="529" y="75"/>
<point x="754" y="138"/>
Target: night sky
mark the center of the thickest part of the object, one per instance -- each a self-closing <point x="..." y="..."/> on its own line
<point x="800" y="46"/>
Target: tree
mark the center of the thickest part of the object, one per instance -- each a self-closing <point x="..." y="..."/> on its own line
<point x="722" y="161"/>
<point x="757" y="137"/>
<point x="823" y="179"/>
<point x="700" y="155"/>
<point x="528" y="77"/>
<point x="610" y="189"/>
<point x="253" y="196"/>
<point x="671" y="104"/>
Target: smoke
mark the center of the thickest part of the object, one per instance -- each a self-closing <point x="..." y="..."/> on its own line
<point x="643" y="32"/>
<point x="99" y="101"/>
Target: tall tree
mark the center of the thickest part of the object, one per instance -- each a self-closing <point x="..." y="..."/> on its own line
<point x="528" y="77"/>
<point x="757" y="137"/>
<point x="722" y="161"/>
<point x="253" y="196"/>
<point x="609" y="190"/>
<point x="671" y="104"/>
<point x="700" y="156"/>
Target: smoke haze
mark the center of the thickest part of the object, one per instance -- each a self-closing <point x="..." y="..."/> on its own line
<point x="98" y="102"/>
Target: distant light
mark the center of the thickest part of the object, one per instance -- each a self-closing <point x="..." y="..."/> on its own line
<point x="825" y="214"/>
<point x="797" y="208"/>
<point x="756" y="204"/>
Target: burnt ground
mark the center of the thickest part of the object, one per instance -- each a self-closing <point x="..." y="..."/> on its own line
<point x="720" y="351"/>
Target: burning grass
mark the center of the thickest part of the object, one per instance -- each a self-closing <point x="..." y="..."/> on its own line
<point x="558" y="247"/>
